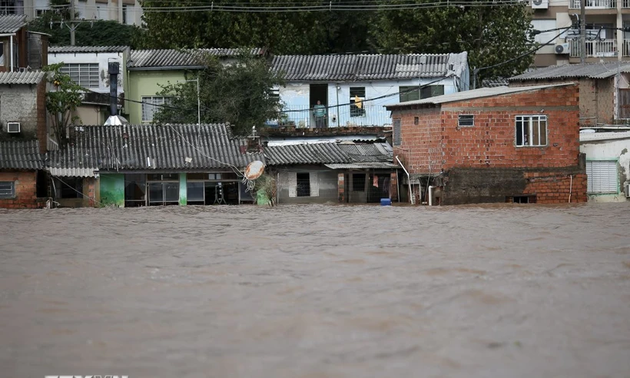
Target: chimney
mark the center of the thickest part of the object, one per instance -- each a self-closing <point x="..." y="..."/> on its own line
<point x="113" y="87"/>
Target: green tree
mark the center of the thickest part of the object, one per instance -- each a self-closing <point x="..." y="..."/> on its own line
<point x="490" y="34"/>
<point x="240" y="94"/>
<point x="62" y="102"/>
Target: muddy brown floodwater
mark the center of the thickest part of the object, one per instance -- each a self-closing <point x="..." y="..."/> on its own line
<point x="316" y="291"/>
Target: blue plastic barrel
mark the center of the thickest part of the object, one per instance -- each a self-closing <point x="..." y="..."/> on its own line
<point x="386" y="202"/>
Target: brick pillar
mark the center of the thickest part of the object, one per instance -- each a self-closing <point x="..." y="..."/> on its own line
<point x="341" y="187"/>
<point x="393" y="187"/>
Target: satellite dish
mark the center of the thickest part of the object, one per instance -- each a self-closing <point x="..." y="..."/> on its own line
<point x="254" y="170"/>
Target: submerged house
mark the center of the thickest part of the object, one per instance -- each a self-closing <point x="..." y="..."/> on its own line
<point x="338" y="171"/>
<point x="355" y="87"/>
<point x="21" y="182"/>
<point x="607" y="164"/>
<point x="504" y="144"/>
<point x="149" y="165"/>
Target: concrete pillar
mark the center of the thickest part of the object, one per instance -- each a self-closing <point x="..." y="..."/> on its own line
<point x="341" y="191"/>
<point x="183" y="189"/>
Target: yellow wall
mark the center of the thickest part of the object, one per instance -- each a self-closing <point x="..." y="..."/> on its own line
<point x="146" y="83"/>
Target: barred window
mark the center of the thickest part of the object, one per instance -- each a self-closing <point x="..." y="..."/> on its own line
<point x="84" y="74"/>
<point x="7" y="189"/>
<point x="152" y="105"/>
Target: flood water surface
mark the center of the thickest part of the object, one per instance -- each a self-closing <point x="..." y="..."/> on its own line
<point x="316" y="291"/>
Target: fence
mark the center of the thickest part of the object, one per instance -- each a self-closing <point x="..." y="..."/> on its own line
<point x="336" y="116"/>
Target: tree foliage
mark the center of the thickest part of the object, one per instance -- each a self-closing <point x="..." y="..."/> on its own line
<point x="490" y="34"/>
<point x="280" y="32"/>
<point x="240" y="94"/>
<point x="61" y="102"/>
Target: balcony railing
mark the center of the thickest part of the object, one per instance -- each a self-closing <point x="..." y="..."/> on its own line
<point x="341" y="116"/>
<point x="595" y="4"/>
<point x="597" y="49"/>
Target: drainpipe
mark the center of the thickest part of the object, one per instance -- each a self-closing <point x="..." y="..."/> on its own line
<point x="411" y="198"/>
<point x="11" y="49"/>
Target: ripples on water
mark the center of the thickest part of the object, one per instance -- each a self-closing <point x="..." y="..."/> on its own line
<point x="317" y="291"/>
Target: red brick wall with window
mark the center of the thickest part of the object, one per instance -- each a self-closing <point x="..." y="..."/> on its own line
<point x="25" y="186"/>
<point x="420" y="147"/>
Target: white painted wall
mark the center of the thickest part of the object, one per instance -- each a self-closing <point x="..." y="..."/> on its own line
<point x="102" y="59"/>
<point x="612" y="149"/>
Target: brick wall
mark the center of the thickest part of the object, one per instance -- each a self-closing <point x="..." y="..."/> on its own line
<point x="556" y="187"/>
<point x="421" y="143"/>
<point x="25" y="190"/>
<point x="596" y="98"/>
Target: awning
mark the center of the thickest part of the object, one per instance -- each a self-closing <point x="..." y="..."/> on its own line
<point x="366" y="165"/>
<point x="73" y="172"/>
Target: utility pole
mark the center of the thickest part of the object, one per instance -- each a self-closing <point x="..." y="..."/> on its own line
<point x="72" y="26"/>
<point x="582" y="31"/>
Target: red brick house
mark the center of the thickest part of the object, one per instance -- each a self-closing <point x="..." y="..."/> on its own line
<point x="505" y="144"/>
<point x="21" y="175"/>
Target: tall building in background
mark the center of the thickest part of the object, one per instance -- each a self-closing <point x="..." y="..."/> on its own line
<point x="605" y="39"/>
<point x="127" y="12"/>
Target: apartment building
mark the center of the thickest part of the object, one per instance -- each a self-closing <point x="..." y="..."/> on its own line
<point x="605" y="37"/>
<point x="127" y="12"/>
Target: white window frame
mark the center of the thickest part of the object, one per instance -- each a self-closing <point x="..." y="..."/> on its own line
<point x="602" y="179"/>
<point x="528" y="123"/>
<point x="87" y="75"/>
<point x="151" y="105"/>
<point x="7" y="189"/>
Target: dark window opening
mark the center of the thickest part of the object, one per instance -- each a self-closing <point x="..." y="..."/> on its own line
<point x="522" y="199"/>
<point x="358" y="182"/>
<point x="70" y="187"/>
<point x="135" y="190"/>
<point x="431" y="91"/>
<point x="7" y="189"/>
<point x="409" y="93"/>
<point x="466" y="120"/>
<point x="303" y="185"/>
<point x="357" y="96"/>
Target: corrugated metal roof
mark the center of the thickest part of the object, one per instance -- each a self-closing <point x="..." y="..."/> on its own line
<point x="86" y="49"/>
<point x="147" y="147"/>
<point x="366" y="165"/>
<point x="73" y="172"/>
<point x="33" y="77"/>
<point x="329" y="153"/>
<point x="144" y="59"/>
<point x="573" y="71"/>
<point x="474" y="94"/>
<point x="362" y="67"/>
<point x="493" y="83"/>
<point x="20" y="155"/>
<point x="602" y="136"/>
<point x="12" y="23"/>
<point x="314" y="153"/>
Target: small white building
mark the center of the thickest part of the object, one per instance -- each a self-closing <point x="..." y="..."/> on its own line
<point x="354" y="88"/>
<point x="607" y="164"/>
<point x="88" y="66"/>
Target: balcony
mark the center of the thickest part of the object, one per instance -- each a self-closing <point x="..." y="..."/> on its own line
<point x="596" y="49"/>
<point x="337" y="116"/>
<point x="597" y="4"/>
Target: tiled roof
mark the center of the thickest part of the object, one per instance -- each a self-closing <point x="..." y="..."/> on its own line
<point x="12" y="23"/>
<point x="86" y="49"/>
<point x="165" y="59"/>
<point x="573" y="71"/>
<point x="473" y="94"/>
<point x="328" y="153"/>
<point x="33" y="77"/>
<point x="312" y="153"/>
<point x="147" y="147"/>
<point x="20" y="155"/>
<point x="361" y="67"/>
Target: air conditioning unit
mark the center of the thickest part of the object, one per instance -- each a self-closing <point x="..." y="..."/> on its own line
<point x="13" y="127"/>
<point x="540" y="4"/>
<point x="562" y="48"/>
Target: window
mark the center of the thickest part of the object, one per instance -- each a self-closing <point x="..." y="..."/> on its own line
<point x="358" y="182"/>
<point x="409" y="93"/>
<point x="466" y="120"/>
<point x="7" y="189"/>
<point x="84" y="74"/>
<point x="531" y="131"/>
<point x="151" y="105"/>
<point x="195" y="191"/>
<point x="431" y="91"/>
<point x="303" y="185"/>
<point x="357" y="96"/>
<point x="397" y="138"/>
<point x="602" y="176"/>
